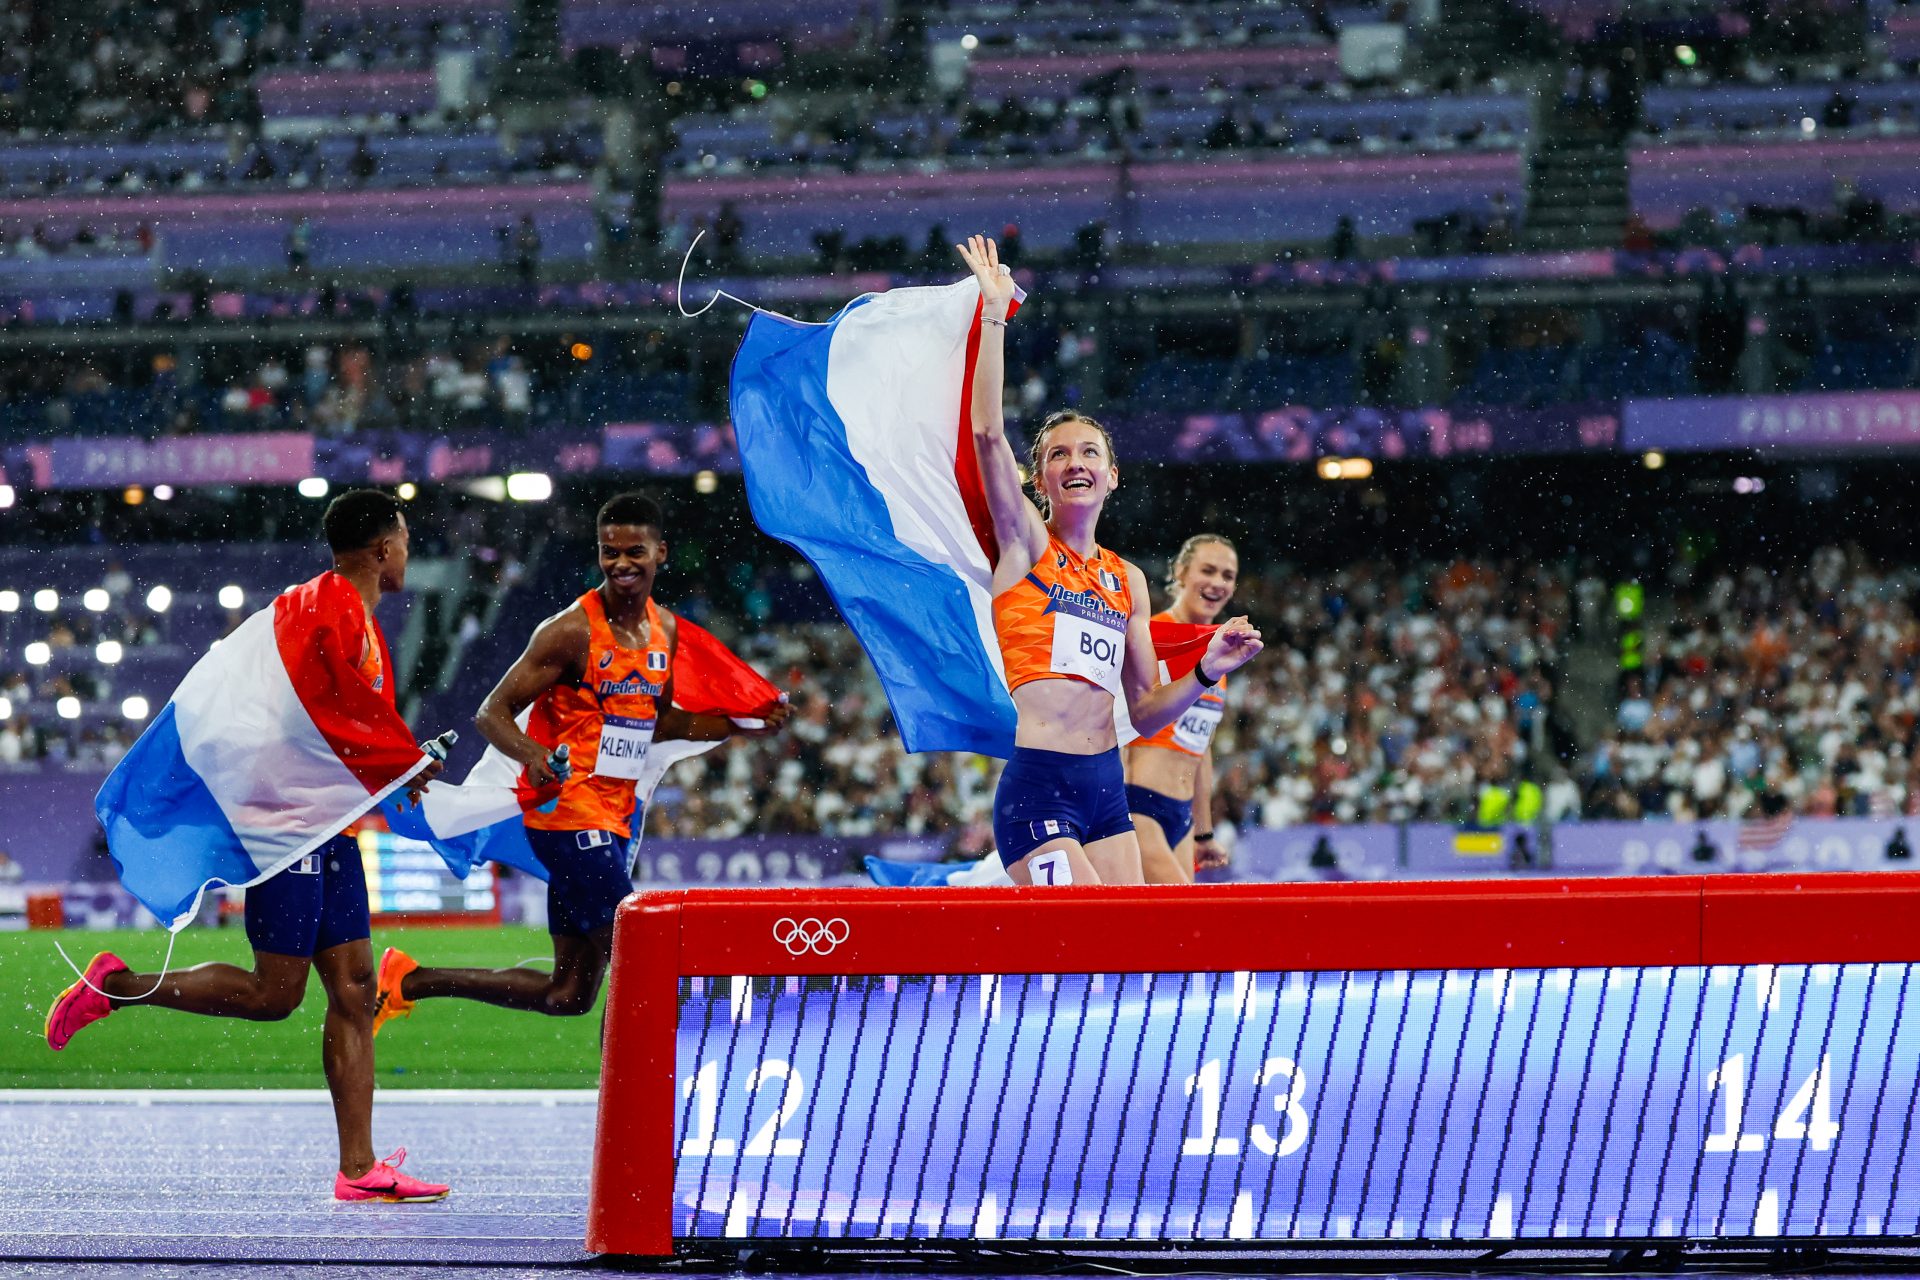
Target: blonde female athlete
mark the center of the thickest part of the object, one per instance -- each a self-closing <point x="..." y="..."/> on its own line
<point x="1170" y="774"/>
<point x="1071" y="619"/>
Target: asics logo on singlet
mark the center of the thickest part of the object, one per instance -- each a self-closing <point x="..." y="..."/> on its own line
<point x="1084" y="604"/>
<point x="633" y="683"/>
<point x="818" y="936"/>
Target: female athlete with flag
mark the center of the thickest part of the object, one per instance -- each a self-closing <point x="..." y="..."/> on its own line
<point x="1072" y="622"/>
<point x="1170" y="774"/>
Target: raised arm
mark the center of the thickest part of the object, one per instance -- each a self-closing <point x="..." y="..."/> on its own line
<point x="555" y="653"/>
<point x="1153" y="707"/>
<point x="1017" y="525"/>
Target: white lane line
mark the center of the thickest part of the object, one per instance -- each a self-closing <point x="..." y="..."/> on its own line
<point x="287" y="1097"/>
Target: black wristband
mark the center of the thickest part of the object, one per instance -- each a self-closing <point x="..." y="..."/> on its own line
<point x="1200" y="674"/>
<point x="1198" y="837"/>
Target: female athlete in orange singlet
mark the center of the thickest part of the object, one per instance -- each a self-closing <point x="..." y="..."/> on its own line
<point x="1170" y="774"/>
<point x="1071" y="619"/>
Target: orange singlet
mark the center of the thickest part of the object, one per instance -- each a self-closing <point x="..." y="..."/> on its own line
<point x="1066" y="618"/>
<point x="607" y="722"/>
<point x="1193" y="732"/>
<point x="373" y="660"/>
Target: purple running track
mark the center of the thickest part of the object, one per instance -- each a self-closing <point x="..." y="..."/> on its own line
<point x="248" y="1177"/>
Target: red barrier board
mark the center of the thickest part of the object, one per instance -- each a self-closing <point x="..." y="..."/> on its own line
<point x="1652" y="923"/>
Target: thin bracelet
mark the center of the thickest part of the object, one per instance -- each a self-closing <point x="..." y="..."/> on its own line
<point x="991" y="320"/>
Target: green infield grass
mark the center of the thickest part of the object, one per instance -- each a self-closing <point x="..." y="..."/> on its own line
<point x="446" y="1044"/>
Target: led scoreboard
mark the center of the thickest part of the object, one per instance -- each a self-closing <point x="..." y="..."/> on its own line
<point x="406" y="878"/>
<point x="1687" y="1059"/>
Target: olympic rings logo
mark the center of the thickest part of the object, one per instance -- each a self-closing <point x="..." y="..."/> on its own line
<point x="802" y="936"/>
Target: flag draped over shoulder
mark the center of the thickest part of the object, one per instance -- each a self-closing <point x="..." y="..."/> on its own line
<point x="479" y="820"/>
<point x="857" y="451"/>
<point x="273" y="743"/>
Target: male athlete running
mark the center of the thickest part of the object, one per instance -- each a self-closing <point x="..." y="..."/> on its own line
<point x="313" y="915"/>
<point x="599" y="678"/>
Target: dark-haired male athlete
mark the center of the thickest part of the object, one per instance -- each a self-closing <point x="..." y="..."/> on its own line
<point x="314" y="914"/>
<point x="598" y="676"/>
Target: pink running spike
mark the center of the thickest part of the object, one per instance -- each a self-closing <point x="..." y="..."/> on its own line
<point x="386" y="1183"/>
<point x="81" y="1003"/>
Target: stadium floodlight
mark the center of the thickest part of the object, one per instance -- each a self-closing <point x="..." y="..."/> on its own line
<point x="39" y="653"/>
<point x="407" y="492"/>
<point x="1344" y="468"/>
<point x="9" y="602"/>
<point x="313" y="487"/>
<point x="6" y="496"/>
<point x="109" y="651"/>
<point x="134" y="708"/>
<point x="68" y="707"/>
<point x="969" y="42"/>
<point x="530" y="486"/>
<point x="46" y="599"/>
<point x="160" y="599"/>
<point x="1653" y="459"/>
<point x="705" y="482"/>
<point x="6" y="708"/>
<point x="163" y="492"/>
<point x="96" y="600"/>
<point x="232" y="597"/>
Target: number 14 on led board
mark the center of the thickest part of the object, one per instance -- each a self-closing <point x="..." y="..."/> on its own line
<point x="1807" y="1116"/>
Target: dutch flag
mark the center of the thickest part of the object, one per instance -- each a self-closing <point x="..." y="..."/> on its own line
<point x="855" y="444"/>
<point x="273" y="744"/>
<point x="857" y="450"/>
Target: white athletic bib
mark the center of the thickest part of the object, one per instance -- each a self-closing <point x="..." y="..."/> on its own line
<point x="623" y="747"/>
<point x="1195" y="728"/>
<point x="1088" y="650"/>
<point x="1050" y="868"/>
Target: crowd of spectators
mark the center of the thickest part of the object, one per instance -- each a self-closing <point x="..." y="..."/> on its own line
<point x="1383" y="355"/>
<point x="874" y="130"/>
<point x="1388" y="693"/>
<point x="124" y="66"/>
<point x="339" y="390"/>
<point x="1768" y="690"/>
<point x="85" y="240"/>
<point x="249" y="160"/>
<point x="1398" y="693"/>
<point x="371" y="43"/>
<point x="138" y="67"/>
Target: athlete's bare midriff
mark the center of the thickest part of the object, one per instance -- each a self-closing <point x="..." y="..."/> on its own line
<point x="1171" y="773"/>
<point x="1069" y="716"/>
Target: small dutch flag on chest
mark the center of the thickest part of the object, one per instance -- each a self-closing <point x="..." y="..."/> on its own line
<point x="656" y="660"/>
<point x="1111" y="581"/>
